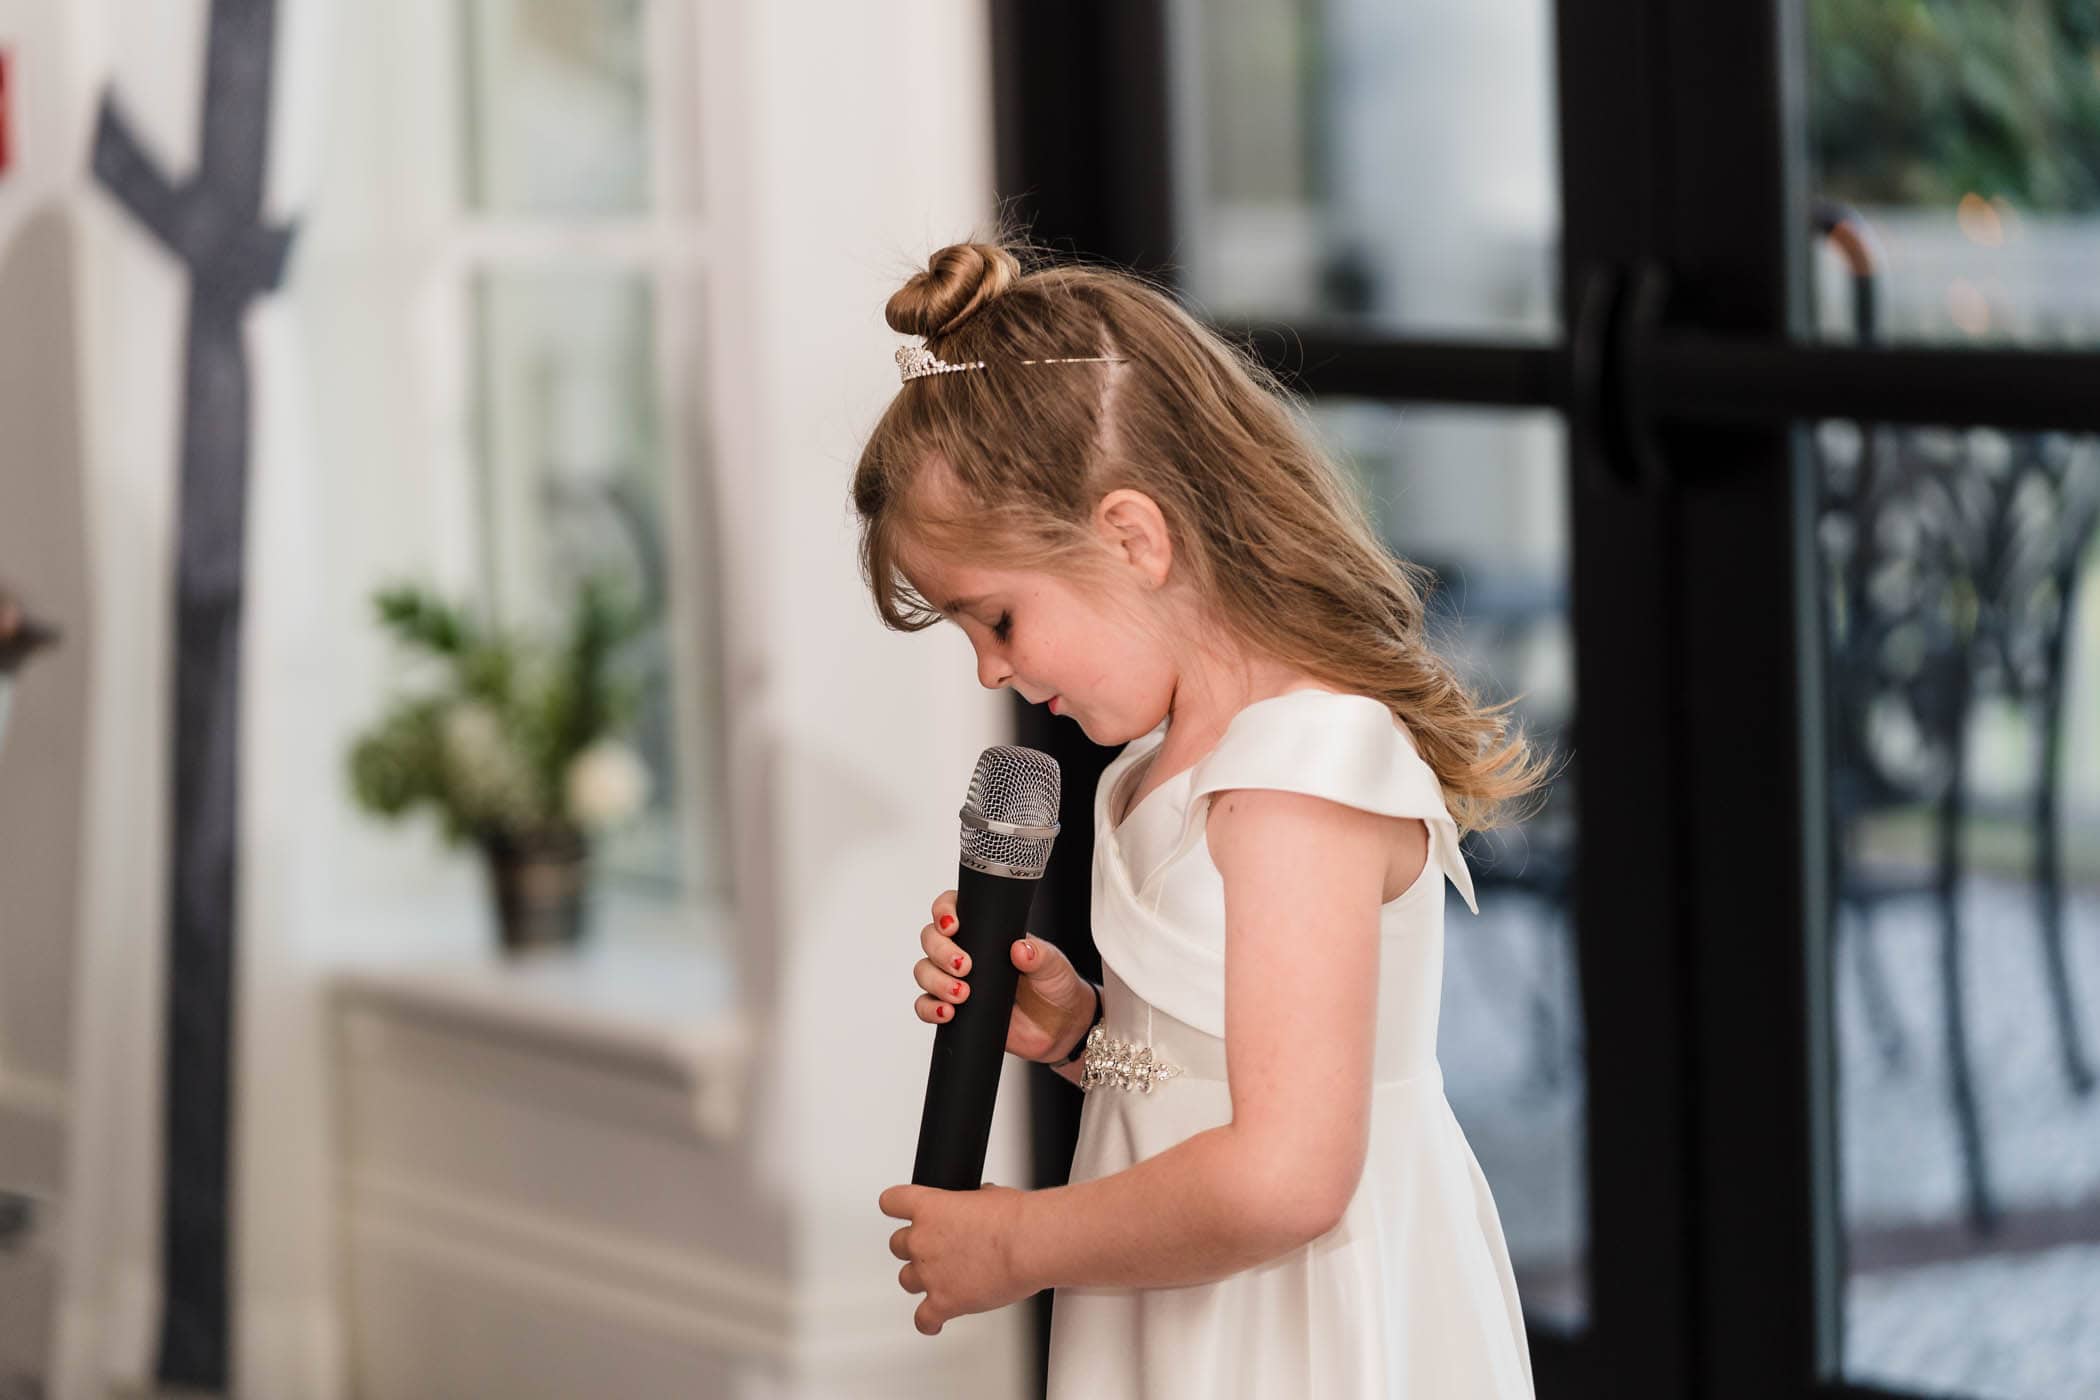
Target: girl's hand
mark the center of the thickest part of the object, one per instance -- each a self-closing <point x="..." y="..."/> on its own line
<point x="1052" y="1002"/>
<point x="958" y="1249"/>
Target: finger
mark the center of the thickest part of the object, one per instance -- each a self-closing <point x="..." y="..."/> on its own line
<point x="944" y="909"/>
<point x="898" y="1242"/>
<point x="926" y="1319"/>
<point x="932" y="979"/>
<point x="936" y="1011"/>
<point x="898" y="1202"/>
<point x="944" y="952"/>
<point x="908" y="1279"/>
<point x="1051" y="969"/>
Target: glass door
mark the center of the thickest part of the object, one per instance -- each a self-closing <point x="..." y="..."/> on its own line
<point x="1957" y="204"/>
<point x="1737" y="369"/>
<point x="1370" y="176"/>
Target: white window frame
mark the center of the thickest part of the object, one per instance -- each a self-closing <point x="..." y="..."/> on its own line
<point x="670" y="243"/>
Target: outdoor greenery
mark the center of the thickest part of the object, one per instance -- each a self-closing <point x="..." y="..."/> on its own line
<point x="1924" y="101"/>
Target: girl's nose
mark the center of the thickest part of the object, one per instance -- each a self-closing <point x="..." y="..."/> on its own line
<point x="991" y="672"/>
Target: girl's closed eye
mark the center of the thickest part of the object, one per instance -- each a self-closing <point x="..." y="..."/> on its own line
<point x="1004" y="628"/>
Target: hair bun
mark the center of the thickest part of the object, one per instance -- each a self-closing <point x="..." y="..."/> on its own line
<point x="958" y="281"/>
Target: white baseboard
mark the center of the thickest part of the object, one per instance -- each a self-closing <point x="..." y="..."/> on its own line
<point x="650" y="1321"/>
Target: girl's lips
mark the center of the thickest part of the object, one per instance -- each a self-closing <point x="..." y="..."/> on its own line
<point x="1053" y="704"/>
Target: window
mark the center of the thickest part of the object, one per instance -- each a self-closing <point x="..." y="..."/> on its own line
<point x="572" y="246"/>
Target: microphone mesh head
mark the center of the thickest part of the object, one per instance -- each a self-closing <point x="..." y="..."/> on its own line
<point x="1017" y="785"/>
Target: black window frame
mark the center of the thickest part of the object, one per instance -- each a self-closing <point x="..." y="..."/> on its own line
<point x="1685" y="374"/>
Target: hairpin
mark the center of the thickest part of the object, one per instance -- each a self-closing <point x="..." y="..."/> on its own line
<point x="916" y="362"/>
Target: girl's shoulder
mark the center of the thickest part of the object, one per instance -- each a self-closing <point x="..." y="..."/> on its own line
<point x="1344" y="747"/>
<point x="1319" y="740"/>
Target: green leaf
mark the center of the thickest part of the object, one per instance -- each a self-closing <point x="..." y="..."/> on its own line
<point x="549" y="701"/>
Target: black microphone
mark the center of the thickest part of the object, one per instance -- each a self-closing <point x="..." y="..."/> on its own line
<point x="1009" y="821"/>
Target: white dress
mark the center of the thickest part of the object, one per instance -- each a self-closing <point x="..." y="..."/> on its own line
<point x="1411" y="1295"/>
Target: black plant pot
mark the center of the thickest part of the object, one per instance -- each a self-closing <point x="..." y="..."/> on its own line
<point x="540" y="882"/>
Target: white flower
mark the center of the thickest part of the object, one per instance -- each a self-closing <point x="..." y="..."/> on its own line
<point x="473" y="734"/>
<point x="489" y="776"/>
<point x="606" y="783"/>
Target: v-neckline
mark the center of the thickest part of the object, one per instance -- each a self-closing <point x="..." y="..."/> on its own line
<point x="1108" y="844"/>
<point x="1117" y="826"/>
<point x="1108" y="820"/>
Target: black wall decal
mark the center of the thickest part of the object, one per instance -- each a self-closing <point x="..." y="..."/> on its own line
<point x="213" y="222"/>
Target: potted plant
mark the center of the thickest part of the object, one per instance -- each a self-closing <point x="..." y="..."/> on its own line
<point x="518" y="749"/>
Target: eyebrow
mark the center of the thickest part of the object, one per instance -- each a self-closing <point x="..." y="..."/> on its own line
<point x="960" y="603"/>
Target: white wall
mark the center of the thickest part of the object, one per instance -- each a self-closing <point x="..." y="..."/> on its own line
<point x="876" y="153"/>
<point x="830" y="170"/>
<point x="43" y="535"/>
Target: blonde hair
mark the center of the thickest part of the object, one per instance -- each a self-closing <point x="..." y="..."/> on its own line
<point x="1006" y="465"/>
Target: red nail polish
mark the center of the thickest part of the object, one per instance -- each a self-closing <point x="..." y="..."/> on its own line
<point x="958" y="964"/>
<point x="947" y="921"/>
<point x="956" y="990"/>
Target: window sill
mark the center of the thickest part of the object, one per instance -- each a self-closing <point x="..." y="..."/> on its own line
<point x="651" y="991"/>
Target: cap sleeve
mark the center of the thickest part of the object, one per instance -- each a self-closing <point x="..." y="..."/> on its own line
<point x="1346" y="748"/>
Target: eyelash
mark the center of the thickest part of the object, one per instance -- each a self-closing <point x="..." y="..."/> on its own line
<point x="1005" y="627"/>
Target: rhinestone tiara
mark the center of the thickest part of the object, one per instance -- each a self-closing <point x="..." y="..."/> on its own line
<point x="916" y="362"/>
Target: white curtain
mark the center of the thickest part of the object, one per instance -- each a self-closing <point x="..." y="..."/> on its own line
<point x="132" y="299"/>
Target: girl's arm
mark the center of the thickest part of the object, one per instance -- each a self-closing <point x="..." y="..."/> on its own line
<point x="1303" y="881"/>
<point x="1190" y="1214"/>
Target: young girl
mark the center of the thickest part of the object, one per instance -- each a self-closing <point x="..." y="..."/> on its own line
<point x="1121" y="512"/>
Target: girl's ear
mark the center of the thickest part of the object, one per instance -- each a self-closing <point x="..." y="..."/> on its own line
<point x="1136" y="532"/>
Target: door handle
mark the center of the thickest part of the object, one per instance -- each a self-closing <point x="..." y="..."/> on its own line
<point x="1610" y="410"/>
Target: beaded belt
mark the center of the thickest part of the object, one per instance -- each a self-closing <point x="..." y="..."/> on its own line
<point x="1122" y="1063"/>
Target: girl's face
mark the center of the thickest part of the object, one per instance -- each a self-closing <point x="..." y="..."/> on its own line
<point x="1098" y="660"/>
